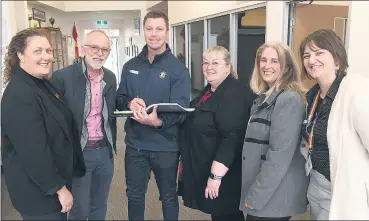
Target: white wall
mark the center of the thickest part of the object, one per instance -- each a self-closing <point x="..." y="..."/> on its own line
<point x="150" y="4"/>
<point x="128" y="31"/>
<point x="103" y="5"/>
<point x="5" y="38"/>
<point x="56" y="4"/>
<point x="358" y="36"/>
<point x="17" y="11"/>
<point x="276" y="21"/>
<point x="182" y="11"/>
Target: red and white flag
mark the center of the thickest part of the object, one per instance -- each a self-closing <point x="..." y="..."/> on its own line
<point x="75" y="36"/>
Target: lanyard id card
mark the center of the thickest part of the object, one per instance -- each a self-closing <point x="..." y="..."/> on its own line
<point x="308" y="164"/>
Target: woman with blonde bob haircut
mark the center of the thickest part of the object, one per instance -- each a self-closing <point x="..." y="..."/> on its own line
<point x="274" y="184"/>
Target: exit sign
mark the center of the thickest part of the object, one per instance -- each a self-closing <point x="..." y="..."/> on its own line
<point x="101" y="23"/>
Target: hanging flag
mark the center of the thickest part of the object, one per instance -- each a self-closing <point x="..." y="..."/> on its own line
<point x="75" y="37"/>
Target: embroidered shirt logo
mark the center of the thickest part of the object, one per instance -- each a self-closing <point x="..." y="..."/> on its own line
<point x="162" y="74"/>
<point x="133" y="71"/>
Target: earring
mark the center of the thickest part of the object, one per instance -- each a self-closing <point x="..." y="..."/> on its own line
<point x="337" y="69"/>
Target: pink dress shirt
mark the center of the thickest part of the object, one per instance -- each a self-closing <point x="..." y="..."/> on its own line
<point x="94" y="118"/>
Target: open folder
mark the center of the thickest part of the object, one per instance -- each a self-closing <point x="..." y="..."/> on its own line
<point x="162" y="108"/>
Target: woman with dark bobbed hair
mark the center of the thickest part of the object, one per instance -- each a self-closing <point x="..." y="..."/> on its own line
<point x="40" y="152"/>
<point x="324" y="59"/>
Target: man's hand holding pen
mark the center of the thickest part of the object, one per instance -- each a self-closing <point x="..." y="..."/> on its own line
<point x="138" y="106"/>
<point x="136" y="103"/>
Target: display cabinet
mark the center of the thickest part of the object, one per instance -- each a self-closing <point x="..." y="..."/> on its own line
<point x="55" y="38"/>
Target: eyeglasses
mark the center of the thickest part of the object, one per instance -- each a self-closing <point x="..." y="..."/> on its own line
<point x="95" y="49"/>
<point x="212" y="64"/>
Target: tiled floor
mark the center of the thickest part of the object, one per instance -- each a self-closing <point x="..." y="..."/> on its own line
<point x="117" y="207"/>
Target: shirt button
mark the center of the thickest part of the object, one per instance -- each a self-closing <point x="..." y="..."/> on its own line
<point x="243" y="158"/>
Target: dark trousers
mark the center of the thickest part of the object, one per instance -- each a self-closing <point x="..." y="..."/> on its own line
<point x="90" y="192"/>
<point x="51" y="216"/>
<point x="249" y="217"/>
<point x="234" y="217"/>
<point x="138" y="166"/>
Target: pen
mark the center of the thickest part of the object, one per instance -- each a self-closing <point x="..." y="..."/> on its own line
<point x="139" y="103"/>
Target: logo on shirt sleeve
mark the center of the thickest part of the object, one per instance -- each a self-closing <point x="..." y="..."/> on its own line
<point x="133" y="71"/>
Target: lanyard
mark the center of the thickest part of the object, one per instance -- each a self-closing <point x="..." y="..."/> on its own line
<point x="311" y="115"/>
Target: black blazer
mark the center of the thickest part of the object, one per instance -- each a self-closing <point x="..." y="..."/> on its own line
<point x="215" y="131"/>
<point x="39" y="149"/>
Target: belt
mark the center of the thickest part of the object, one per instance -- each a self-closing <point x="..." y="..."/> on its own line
<point x="96" y="143"/>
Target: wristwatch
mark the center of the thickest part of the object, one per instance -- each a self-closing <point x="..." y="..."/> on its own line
<point x="215" y="177"/>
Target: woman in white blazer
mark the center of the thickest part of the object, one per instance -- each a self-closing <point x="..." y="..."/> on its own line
<point x="324" y="59"/>
<point x="348" y="141"/>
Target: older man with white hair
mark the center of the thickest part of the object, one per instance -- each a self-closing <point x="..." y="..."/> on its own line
<point x="89" y="91"/>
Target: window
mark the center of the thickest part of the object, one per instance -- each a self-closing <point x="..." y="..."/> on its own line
<point x="196" y="48"/>
<point x="241" y="33"/>
<point x="219" y="31"/>
<point x="250" y="36"/>
<point x="180" y="43"/>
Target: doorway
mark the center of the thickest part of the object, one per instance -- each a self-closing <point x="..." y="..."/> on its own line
<point x="307" y="16"/>
<point x="112" y="62"/>
<point x="249" y="40"/>
<point x="250" y="36"/>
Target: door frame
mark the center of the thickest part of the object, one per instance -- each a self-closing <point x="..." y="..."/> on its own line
<point x="291" y="16"/>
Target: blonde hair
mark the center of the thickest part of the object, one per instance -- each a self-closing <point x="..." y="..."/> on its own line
<point x="226" y="57"/>
<point x="290" y="77"/>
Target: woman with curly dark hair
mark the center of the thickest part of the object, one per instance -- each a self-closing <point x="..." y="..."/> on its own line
<point x="40" y="153"/>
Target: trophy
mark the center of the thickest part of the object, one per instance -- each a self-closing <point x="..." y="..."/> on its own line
<point x="52" y="21"/>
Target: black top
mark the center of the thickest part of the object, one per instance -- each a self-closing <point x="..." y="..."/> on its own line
<point x="322" y="141"/>
<point x="215" y="132"/>
<point x="320" y="151"/>
<point x="40" y="153"/>
<point x="165" y="80"/>
<point x="53" y="95"/>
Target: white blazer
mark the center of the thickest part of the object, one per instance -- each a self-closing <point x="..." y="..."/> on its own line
<point x="348" y="142"/>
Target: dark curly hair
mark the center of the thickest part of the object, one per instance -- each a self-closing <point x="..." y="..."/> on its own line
<point x="17" y="44"/>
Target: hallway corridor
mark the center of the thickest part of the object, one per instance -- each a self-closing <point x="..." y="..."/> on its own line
<point x="117" y="207"/>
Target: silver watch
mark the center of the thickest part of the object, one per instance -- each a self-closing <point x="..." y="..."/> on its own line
<point x="215" y="177"/>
